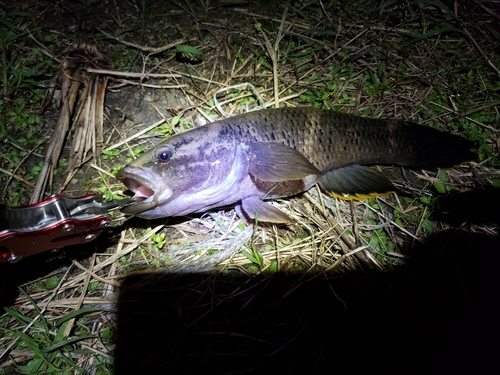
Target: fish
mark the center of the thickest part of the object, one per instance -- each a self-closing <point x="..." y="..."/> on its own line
<point x="249" y="159"/>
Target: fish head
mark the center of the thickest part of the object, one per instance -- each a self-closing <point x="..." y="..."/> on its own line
<point x="186" y="173"/>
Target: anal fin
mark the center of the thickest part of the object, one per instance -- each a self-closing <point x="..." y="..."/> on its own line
<point x="355" y="182"/>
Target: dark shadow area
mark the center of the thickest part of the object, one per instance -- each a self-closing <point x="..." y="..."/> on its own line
<point x="31" y="268"/>
<point x="437" y="316"/>
<point x="438" y="319"/>
<point x="478" y="207"/>
<point x="40" y="265"/>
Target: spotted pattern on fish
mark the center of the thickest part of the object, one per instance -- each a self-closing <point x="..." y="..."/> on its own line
<point x="274" y="153"/>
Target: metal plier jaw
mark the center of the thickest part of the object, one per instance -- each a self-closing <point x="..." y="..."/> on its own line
<point x="53" y="223"/>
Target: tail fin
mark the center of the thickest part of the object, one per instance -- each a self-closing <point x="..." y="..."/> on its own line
<point x="436" y="149"/>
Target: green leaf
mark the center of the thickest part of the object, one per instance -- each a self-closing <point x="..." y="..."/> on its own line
<point x="443" y="175"/>
<point x="182" y="48"/>
<point x="74" y="314"/>
<point x="16" y="315"/>
<point x="440" y="187"/>
<point x="175" y="120"/>
<point x="28" y="340"/>
<point x="273" y="267"/>
<point x="32" y="367"/>
<point x="417" y="37"/>
<point x="64" y="343"/>
<point x="51" y="282"/>
<point x="107" y="334"/>
<point x="374" y="241"/>
<point x="241" y="226"/>
<point x="427" y="226"/>
<point x="425" y="200"/>
<point x="250" y="257"/>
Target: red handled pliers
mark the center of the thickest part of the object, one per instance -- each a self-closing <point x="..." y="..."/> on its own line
<point x="53" y="223"/>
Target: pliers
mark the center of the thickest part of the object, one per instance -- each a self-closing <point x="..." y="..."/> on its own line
<point x="54" y="223"/>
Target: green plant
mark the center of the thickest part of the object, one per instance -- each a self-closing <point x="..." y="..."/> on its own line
<point x="159" y="240"/>
<point x="255" y="257"/>
<point x="23" y="125"/>
<point x="47" y="284"/>
<point x="52" y="352"/>
<point x="15" y="196"/>
<point x="136" y="152"/>
<point x="109" y="154"/>
<point x="189" y="53"/>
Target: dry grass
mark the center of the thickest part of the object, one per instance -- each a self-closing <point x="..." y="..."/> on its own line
<point x="357" y="61"/>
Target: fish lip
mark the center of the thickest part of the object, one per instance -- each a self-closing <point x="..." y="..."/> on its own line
<point x="138" y="181"/>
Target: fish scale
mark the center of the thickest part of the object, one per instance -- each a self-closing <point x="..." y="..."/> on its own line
<point x="328" y="139"/>
<point x="337" y="139"/>
<point x="274" y="153"/>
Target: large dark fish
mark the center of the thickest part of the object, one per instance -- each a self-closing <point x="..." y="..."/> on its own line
<point x="272" y="153"/>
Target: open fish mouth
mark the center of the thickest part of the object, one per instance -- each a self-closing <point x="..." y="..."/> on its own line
<point x="139" y="188"/>
<point x="142" y="187"/>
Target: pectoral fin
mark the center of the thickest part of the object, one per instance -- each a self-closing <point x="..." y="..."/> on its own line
<point x="355" y="182"/>
<point x="275" y="162"/>
<point x="255" y="209"/>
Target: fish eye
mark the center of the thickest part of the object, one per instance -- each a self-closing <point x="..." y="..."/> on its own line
<point x="164" y="154"/>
